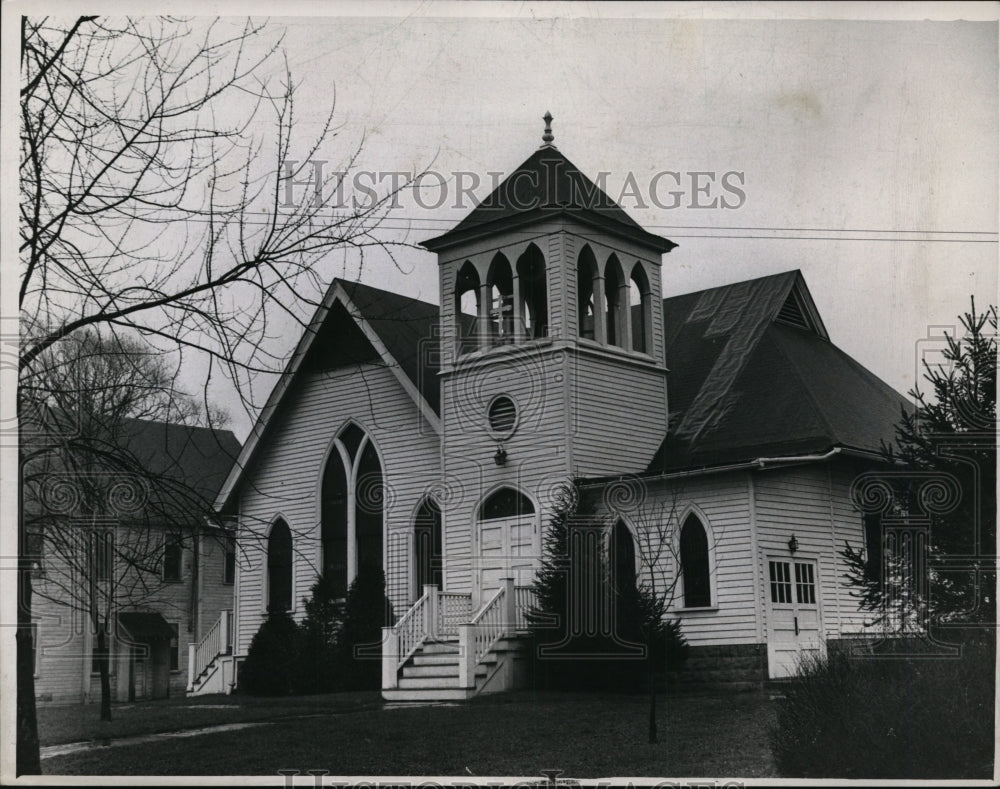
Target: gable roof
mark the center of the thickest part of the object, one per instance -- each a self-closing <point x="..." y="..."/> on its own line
<point x="197" y="457"/>
<point x="398" y="330"/>
<point x="746" y="381"/>
<point x="405" y="326"/>
<point x="545" y="185"/>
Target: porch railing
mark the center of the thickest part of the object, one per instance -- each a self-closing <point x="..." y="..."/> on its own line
<point x="454" y="609"/>
<point x="217" y="641"/>
<point x="525" y="601"/>
<point x="440" y="614"/>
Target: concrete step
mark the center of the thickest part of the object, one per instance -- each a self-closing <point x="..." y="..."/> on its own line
<point x="427" y="694"/>
<point x="410" y="683"/>
<point x="443" y="670"/>
<point x="435" y="659"/>
<point x="438" y="647"/>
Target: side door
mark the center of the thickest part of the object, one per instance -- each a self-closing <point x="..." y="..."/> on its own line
<point x="794" y="619"/>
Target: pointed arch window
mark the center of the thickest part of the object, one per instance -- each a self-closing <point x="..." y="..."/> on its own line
<point x="533" y="288"/>
<point x="695" y="564"/>
<point x="623" y="558"/>
<point x="428" y="549"/>
<point x="279" y="568"/>
<point x="352" y="504"/>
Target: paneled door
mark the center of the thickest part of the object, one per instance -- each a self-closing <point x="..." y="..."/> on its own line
<point x="794" y="628"/>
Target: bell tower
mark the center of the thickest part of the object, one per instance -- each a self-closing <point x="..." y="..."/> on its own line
<point x="552" y="348"/>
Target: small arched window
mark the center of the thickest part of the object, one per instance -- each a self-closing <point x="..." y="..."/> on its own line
<point x="500" y="282"/>
<point x="616" y="297"/>
<point x="279" y="568"/>
<point x="506" y="503"/>
<point x="695" y="564"/>
<point x="586" y="276"/>
<point x="640" y="312"/>
<point x="623" y="558"/>
<point x="534" y="293"/>
<point x="428" y="549"/>
<point x="467" y="295"/>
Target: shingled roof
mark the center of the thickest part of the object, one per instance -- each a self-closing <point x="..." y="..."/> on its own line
<point x="753" y="374"/>
<point x="547" y="185"/>
<point x="406" y="326"/>
<point x="198" y="458"/>
<point x="752" y="371"/>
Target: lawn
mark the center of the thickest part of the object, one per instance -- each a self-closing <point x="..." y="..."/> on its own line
<point x="516" y="734"/>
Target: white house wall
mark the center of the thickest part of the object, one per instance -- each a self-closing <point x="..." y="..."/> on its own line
<point x="285" y="480"/>
<point x="722" y="502"/>
<point x="813" y="503"/>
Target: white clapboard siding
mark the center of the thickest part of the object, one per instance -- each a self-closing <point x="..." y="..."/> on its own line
<point x="536" y="451"/>
<point x="721" y="501"/>
<point x="618" y="413"/>
<point x="848" y="527"/>
<point x="286" y="478"/>
<point x="813" y="503"/>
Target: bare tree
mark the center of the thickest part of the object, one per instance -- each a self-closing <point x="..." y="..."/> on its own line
<point x="99" y="510"/>
<point x="157" y="159"/>
<point x="654" y="510"/>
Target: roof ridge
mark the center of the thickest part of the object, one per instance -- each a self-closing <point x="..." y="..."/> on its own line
<point x="691" y="293"/>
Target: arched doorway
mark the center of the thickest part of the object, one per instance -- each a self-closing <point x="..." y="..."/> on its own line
<point x="508" y="530"/>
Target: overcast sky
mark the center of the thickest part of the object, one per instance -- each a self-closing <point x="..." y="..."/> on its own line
<point x="867" y="151"/>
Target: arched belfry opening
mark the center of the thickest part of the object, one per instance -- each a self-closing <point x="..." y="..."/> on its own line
<point x="500" y="285"/>
<point x="589" y="296"/>
<point x="640" y="310"/>
<point x="533" y="290"/>
<point x="616" y="300"/>
<point x="467" y="308"/>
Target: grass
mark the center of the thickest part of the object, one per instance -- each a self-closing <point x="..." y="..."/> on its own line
<point x="59" y="724"/>
<point x="517" y="734"/>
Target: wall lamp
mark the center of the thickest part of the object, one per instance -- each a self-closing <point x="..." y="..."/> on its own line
<point x="793" y="544"/>
<point x="500" y="458"/>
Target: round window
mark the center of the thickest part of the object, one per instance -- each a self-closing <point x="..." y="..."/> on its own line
<point x="503" y="415"/>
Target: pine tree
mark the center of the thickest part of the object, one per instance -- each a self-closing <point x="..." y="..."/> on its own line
<point x="366" y="611"/>
<point x="320" y="632"/>
<point x="951" y="434"/>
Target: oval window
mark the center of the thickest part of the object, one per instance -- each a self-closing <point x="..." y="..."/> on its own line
<point x="503" y="415"/>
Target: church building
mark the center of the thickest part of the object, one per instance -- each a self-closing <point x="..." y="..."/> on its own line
<point x="722" y="434"/>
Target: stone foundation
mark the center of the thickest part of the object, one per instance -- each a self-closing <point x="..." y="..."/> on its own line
<point x="735" y="667"/>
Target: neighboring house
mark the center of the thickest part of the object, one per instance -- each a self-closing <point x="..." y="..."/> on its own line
<point x="435" y="441"/>
<point x="161" y="581"/>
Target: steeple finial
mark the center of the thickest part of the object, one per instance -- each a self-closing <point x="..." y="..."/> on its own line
<point x="548" y="137"/>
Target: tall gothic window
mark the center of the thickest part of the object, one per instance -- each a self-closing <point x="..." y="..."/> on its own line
<point x="352" y="508"/>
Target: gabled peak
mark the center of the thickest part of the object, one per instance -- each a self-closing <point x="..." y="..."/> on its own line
<point x="799" y="311"/>
<point x="793" y="314"/>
